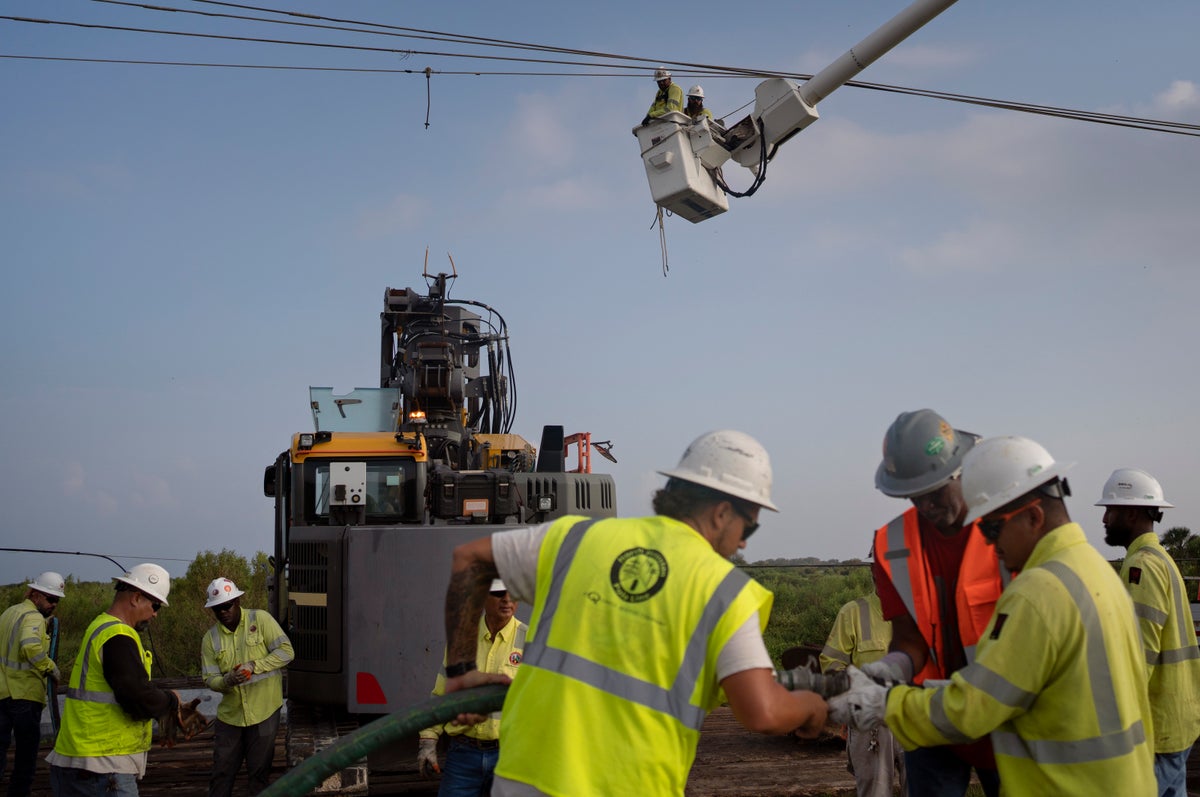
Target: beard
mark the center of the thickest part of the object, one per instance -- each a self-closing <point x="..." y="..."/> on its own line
<point x="142" y="626"/>
<point x="1116" y="535"/>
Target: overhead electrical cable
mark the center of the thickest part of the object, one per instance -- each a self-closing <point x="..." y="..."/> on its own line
<point x="699" y="70"/>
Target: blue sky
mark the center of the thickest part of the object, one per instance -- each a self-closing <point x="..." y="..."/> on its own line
<point x="186" y="250"/>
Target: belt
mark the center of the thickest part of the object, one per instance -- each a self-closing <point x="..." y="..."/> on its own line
<point x="478" y="744"/>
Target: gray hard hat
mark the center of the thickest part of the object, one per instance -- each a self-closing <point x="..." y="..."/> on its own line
<point x="921" y="452"/>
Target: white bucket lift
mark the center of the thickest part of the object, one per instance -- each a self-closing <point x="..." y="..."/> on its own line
<point x="681" y="156"/>
<point x="679" y="179"/>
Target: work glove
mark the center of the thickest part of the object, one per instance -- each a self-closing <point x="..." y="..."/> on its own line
<point x="56" y="673"/>
<point x="168" y="724"/>
<point x="191" y="721"/>
<point x="427" y="762"/>
<point x="863" y="707"/>
<point x="238" y="675"/>
<point x="894" y="668"/>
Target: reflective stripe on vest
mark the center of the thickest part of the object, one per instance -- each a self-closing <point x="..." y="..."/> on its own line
<point x="1113" y="740"/>
<point x="79" y="693"/>
<point x="897" y="555"/>
<point x="252" y="618"/>
<point x="1159" y="617"/>
<point x="674" y="701"/>
<point x="12" y="651"/>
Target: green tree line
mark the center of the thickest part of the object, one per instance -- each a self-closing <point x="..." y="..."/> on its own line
<point x="174" y="636"/>
<point x="807" y="599"/>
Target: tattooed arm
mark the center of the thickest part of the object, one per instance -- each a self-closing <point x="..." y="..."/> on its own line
<point x="472" y="571"/>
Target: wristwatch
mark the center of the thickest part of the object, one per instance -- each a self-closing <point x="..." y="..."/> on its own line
<point x="462" y="668"/>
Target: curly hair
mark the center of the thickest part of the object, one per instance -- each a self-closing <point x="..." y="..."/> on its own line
<point x="681" y="499"/>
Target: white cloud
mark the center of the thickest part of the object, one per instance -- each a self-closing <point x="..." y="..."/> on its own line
<point x="403" y="213"/>
<point x="1180" y="96"/>
<point x="981" y="245"/>
<point x="542" y="132"/>
<point x="73" y="479"/>
<point x="151" y="491"/>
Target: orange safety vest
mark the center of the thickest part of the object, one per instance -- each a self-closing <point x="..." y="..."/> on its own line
<point x="981" y="578"/>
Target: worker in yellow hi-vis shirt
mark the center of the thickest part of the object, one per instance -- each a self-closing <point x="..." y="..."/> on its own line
<point x="243" y="657"/>
<point x="1133" y="503"/>
<point x="1059" y="679"/>
<point x="859" y="636"/>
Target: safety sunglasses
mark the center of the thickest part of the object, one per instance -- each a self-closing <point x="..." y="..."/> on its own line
<point x="750" y="527"/>
<point x="991" y="526"/>
<point x="498" y="593"/>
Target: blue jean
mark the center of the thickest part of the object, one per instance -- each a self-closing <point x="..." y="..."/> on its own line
<point x="468" y="770"/>
<point x="20" y="720"/>
<point x="68" y="782"/>
<point x="1170" y="770"/>
<point x="938" y="772"/>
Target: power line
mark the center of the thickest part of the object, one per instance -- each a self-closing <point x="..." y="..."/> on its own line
<point x="1139" y="123"/>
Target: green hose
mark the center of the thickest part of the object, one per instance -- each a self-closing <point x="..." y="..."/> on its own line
<point x="345" y="751"/>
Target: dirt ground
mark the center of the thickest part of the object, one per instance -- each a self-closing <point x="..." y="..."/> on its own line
<point x="730" y="762"/>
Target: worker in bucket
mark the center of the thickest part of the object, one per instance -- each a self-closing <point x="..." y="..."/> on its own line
<point x="1059" y="676"/>
<point x="669" y="96"/>
<point x="1133" y="502"/>
<point x="474" y="749"/>
<point x="695" y="104"/>
<point x="25" y="668"/>
<point x="111" y="703"/>
<point x="860" y="636"/>
<point x="938" y="581"/>
<point x="640" y="627"/>
<point x="242" y="657"/>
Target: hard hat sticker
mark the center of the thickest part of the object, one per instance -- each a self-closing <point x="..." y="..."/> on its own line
<point x="935" y="446"/>
<point x="638" y="574"/>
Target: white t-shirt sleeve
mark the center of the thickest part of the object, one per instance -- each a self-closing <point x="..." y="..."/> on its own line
<point x="745" y="650"/>
<point x="516" y="556"/>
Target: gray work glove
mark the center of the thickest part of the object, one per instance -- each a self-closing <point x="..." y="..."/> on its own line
<point x="427" y="762"/>
<point x="894" y="668"/>
<point x="238" y="675"/>
<point x="56" y="673"/>
<point x="863" y="707"/>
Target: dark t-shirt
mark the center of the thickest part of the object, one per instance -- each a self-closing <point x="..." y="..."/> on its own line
<point x="126" y="674"/>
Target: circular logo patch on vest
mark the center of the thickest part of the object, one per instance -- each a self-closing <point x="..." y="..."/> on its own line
<point x="638" y="574"/>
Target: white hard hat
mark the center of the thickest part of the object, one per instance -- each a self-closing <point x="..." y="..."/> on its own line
<point x="50" y="583"/>
<point x="1001" y="469"/>
<point x="696" y="91"/>
<point x="151" y="579"/>
<point x="1133" y="487"/>
<point x="221" y="590"/>
<point x="661" y="74"/>
<point x="497" y="586"/>
<point x="730" y="462"/>
<point x="921" y="452"/>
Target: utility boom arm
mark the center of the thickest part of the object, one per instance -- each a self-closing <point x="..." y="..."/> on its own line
<point x="680" y="155"/>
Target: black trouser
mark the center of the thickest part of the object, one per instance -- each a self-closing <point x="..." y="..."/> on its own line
<point x="231" y="744"/>
<point x="21" y="720"/>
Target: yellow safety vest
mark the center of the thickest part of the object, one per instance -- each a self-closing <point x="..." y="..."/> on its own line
<point x="93" y="723"/>
<point x="620" y="662"/>
<point x="1059" y="682"/>
<point x="259" y="640"/>
<point x="670" y="99"/>
<point x="859" y="635"/>
<point x="24" y="647"/>
<point x="1169" y="640"/>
